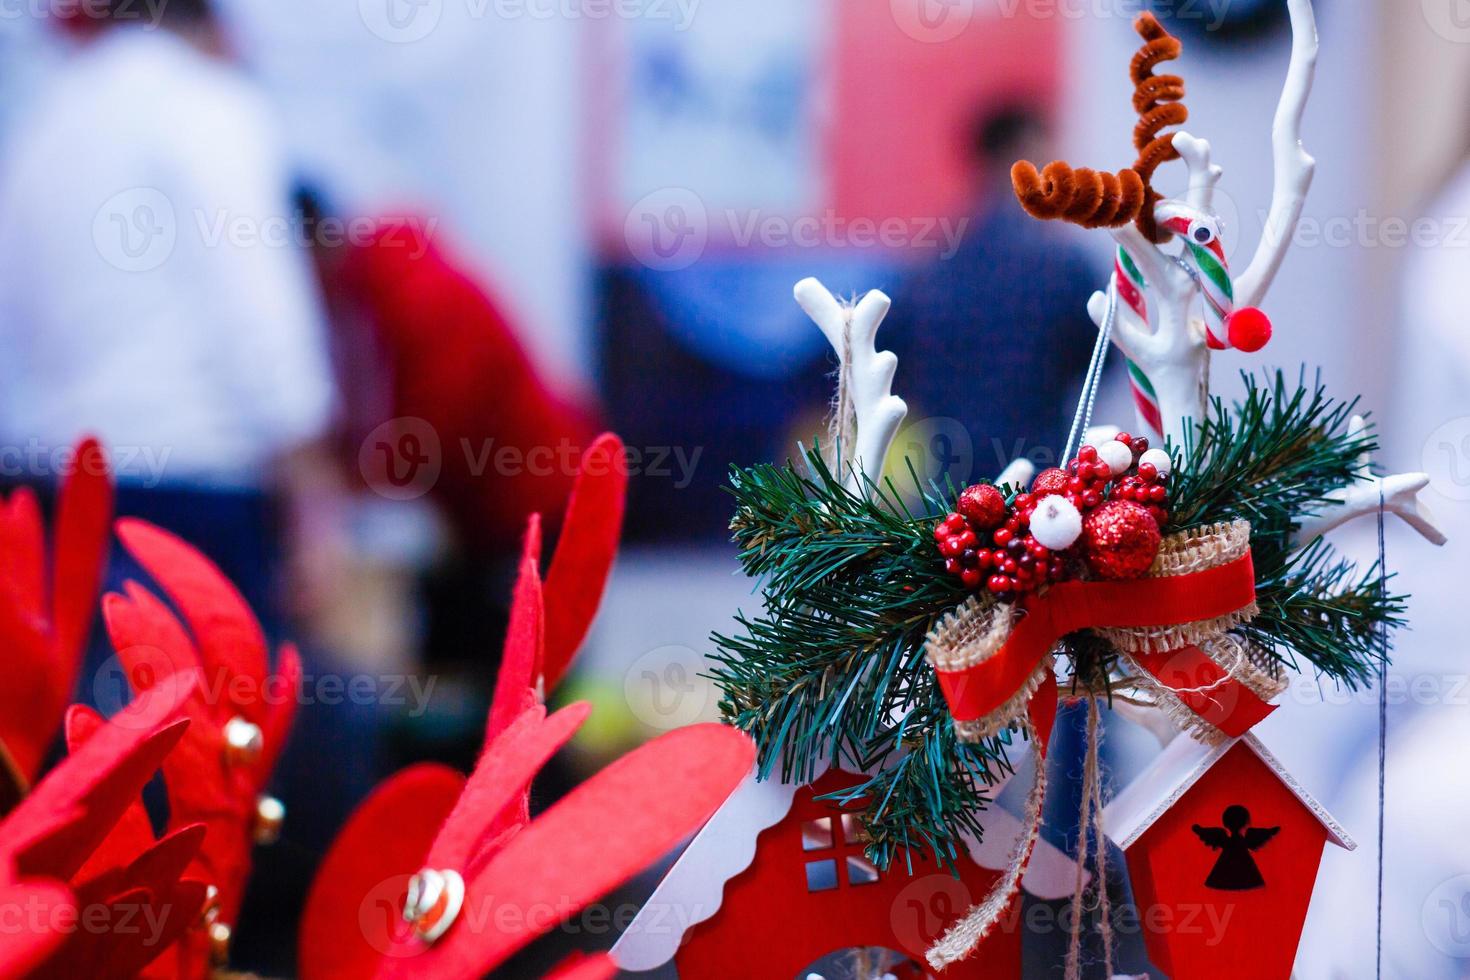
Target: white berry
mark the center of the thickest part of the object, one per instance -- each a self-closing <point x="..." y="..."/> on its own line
<point x="1159" y="460"/>
<point x="1056" y="523"/>
<point x="1118" y="457"/>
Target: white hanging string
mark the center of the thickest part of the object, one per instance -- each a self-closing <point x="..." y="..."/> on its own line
<point x="1083" y="416"/>
<point x="1382" y="724"/>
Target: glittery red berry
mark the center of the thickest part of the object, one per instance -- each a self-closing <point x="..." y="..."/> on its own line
<point x="1049" y="481"/>
<point x="1120" y="540"/>
<point x="1148" y="472"/>
<point x="983" y="506"/>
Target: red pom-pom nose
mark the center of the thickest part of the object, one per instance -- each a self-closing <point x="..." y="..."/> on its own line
<point x="1248" y="329"/>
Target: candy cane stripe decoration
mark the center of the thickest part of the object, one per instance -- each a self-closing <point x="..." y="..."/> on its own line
<point x="1246" y="329"/>
<point x="1132" y="290"/>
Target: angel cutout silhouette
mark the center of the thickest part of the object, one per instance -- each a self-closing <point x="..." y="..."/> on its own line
<point x="1236" y="870"/>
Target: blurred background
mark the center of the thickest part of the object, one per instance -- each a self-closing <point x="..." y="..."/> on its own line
<point x="345" y="287"/>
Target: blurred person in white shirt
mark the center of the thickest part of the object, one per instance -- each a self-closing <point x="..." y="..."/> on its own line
<point x="152" y="292"/>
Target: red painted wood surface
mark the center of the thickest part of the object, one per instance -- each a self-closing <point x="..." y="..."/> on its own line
<point x="1194" y="932"/>
<point x="772" y="927"/>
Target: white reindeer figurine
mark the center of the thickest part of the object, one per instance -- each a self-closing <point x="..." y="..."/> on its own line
<point x="1151" y="303"/>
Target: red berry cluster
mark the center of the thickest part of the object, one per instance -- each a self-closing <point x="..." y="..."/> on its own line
<point x="1085" y="481"/>
<point x="1147" y="487"/>
<point x="988" y="540"/>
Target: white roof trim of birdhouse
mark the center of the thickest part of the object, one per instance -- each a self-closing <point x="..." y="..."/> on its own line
<point x="1177" y="768"/>
<point x="694" y="888"/>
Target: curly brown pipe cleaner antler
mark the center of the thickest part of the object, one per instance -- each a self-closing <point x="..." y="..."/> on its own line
<point x="1096" y="199"/>
<point x="1158" y="100"/>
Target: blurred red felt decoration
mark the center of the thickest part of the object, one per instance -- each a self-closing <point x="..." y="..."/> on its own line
<point x="471" y="843"/>
<point x="241" y="716"/>
<point x="46" y="609"/>
<point x="49" y="847"/>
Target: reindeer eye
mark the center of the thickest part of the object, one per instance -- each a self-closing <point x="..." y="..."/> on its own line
<point x="1202" y="234"/>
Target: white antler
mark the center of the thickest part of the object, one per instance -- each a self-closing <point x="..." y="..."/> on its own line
<point x="1399" y="495"/>
<point x="1168" y="345"/>
<point x="1293" y="166"/>
<point x="1018" y="473"/>
<point x="867" y="373"/>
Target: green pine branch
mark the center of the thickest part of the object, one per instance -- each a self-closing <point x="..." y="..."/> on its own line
<point x="1274" y="459"/>
<point x="833" y="668"/>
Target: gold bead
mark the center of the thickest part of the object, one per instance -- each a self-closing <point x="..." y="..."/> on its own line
<point x="270" y="814"/>
<point x="219" y="944"/>
<point x="243" y="741"/>
<point x="209" y="911"/>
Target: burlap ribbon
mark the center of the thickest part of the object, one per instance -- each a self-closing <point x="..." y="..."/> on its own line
<point x="990" y="658"/>
<point x="992" y="661"/>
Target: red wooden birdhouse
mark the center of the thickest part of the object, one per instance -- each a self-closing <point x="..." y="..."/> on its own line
<point x="776" y="885"/>
<point x="1223" y="847"/>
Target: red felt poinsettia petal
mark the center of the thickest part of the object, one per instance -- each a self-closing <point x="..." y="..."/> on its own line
<point x="27" y="722"/>
<point x="23" y="542"/>
<point x="145" y="908"/>
<point x="83" y="513"/>
<point x="356" y="901"/>
<point x="203" y="786"/>
<point x="175" y="914"/>
<point x="105" y="928"/>
<point x="149" y="640"/>
<point x="655" y="796"/>
<point x="71" y="811"/>
<point x="520" y="662"/>
<point x="133" y="833"/>
<point x="584" y="553"/>
<point x="44" y="624"/>
<point x="161" y="866"/>
<point x="28" y="696"/>
<point x="579" y="967"/>
<point x="23" y="950"/>
<point x="153" y="646"/>
<point x="226" y="633"/>
<point x="499" y="785"/>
